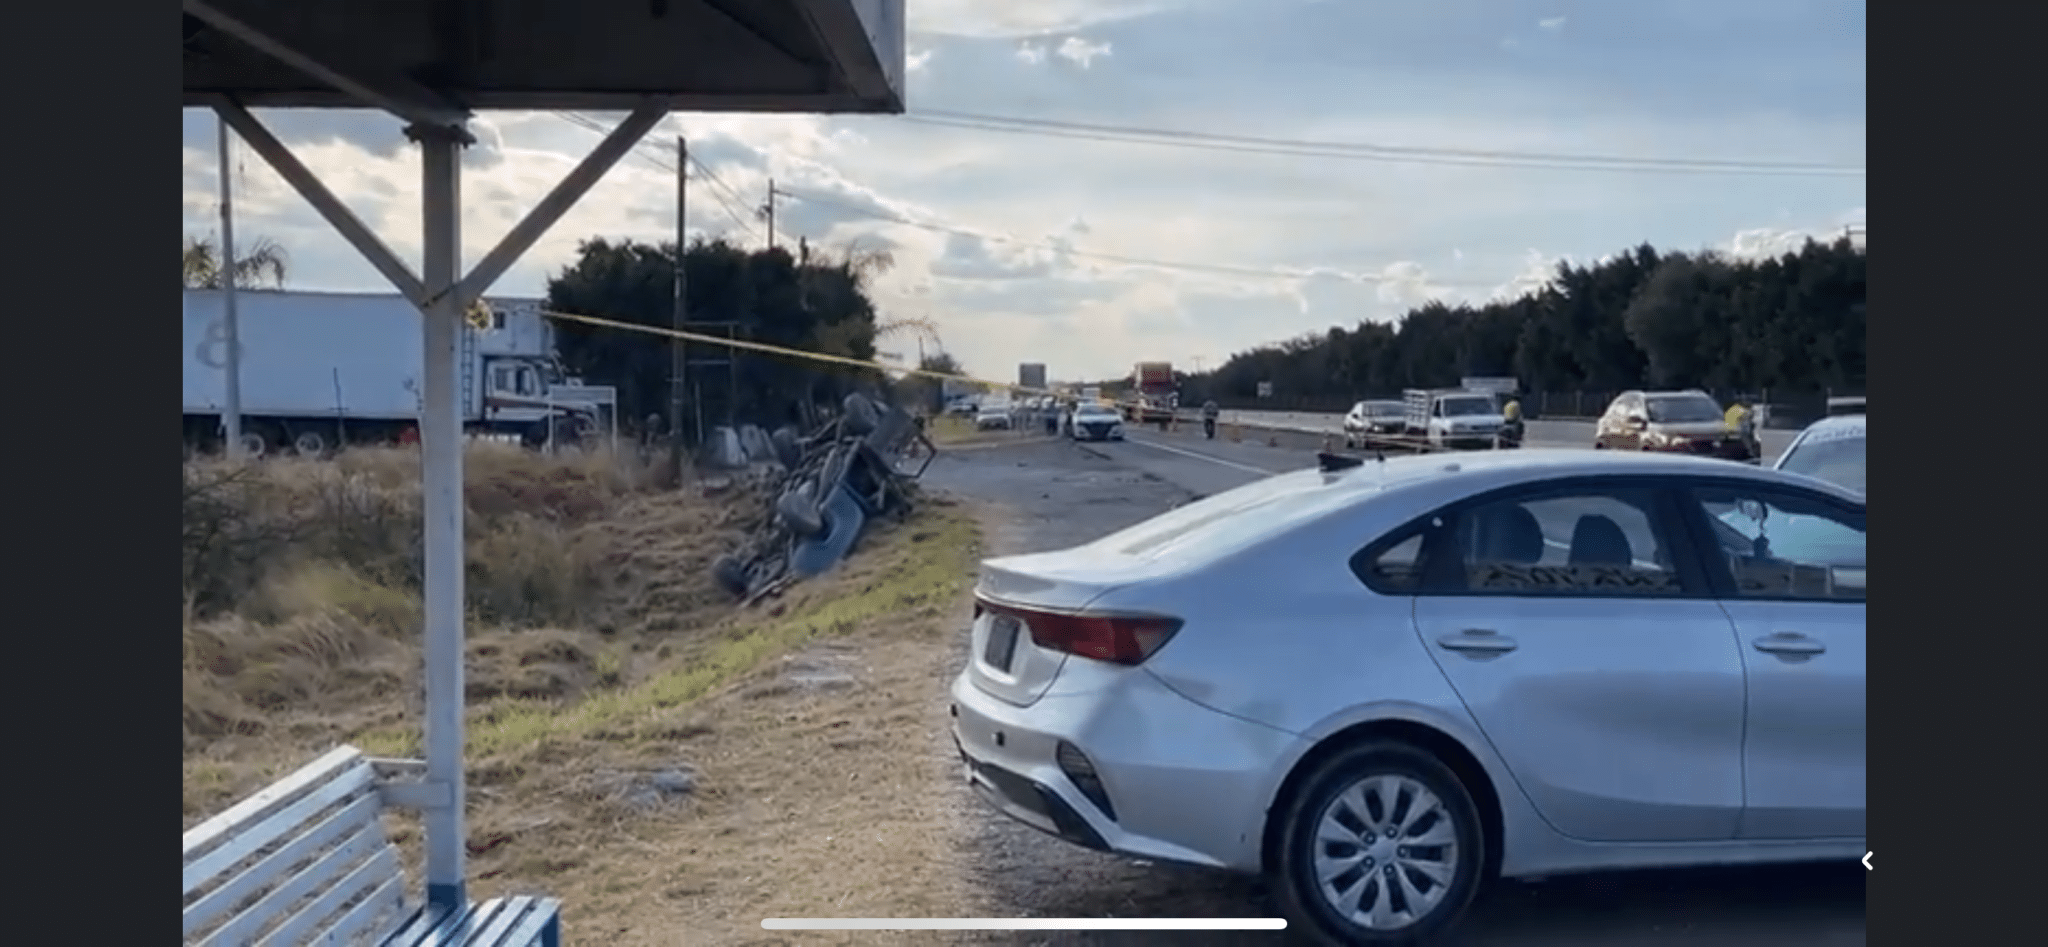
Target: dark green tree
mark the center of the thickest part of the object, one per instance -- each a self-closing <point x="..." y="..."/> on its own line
<point x="763" y="296"/>
<point x="1792" y="324"/>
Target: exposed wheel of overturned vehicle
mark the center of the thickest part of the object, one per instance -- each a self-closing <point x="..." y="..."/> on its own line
<point x="787" y="451"/>
<point x="1381" y="844"/>
<point x="730" y="574"/>
<point x="861" y="415"/>
<point x="798" y="509"/>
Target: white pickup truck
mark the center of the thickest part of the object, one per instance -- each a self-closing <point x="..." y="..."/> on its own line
<point x="1453" y="418"/>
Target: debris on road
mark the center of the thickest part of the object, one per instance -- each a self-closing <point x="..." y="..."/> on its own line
<point x="820" y="493"/>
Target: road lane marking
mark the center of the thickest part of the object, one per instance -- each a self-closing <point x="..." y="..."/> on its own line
<point x="1261" y="471"/>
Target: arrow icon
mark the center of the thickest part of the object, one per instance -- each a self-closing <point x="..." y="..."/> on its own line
<point x="1866" y="861"/>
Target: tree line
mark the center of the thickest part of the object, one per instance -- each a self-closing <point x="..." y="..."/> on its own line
<point x="1642" y="319"/>
<point x="813" y="300"/>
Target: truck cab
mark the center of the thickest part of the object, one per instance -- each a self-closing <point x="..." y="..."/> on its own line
<point x="1454" y="418"/>
<point x="531" y="398"/>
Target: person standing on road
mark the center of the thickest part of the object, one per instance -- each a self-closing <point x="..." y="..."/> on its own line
<point x="1511" y="424"/>
<point x="1742" y="421"/>
<point x="1209" y="414"/>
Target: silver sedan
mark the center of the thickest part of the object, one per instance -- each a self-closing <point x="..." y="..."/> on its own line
<point x="1386" y="685"/>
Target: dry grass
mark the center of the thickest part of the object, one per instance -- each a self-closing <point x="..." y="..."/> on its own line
<point x="951" y="430"/>
<point x="302" y="583"/>
<point x="600" y="654"/>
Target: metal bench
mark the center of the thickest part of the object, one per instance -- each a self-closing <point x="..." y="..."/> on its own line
<point x="306" y="861"/>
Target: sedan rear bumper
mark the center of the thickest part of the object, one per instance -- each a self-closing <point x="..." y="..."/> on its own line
<point x="1185" y="783"/>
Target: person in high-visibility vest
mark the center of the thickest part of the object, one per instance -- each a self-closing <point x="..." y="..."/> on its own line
<point x="1742" y="421"/>
<point x="1511" y="424"/>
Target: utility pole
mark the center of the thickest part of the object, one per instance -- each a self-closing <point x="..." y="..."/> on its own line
<point x="679" y="316"/>
<point x="231" y="324"/>
<point x="769" y="210"/>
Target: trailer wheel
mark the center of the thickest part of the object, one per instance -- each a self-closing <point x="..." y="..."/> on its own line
<point x="254" y="445"/>
<point x="309" y="444"/>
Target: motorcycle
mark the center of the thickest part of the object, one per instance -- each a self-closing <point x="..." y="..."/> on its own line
<point x="1209" y="428"/>
<point x="1509" y="436"/>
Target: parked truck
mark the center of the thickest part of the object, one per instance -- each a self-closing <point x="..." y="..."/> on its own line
<point x="1452" y="418"/>
<point x="1155" y="395"/>
<point x="319" y="370"/>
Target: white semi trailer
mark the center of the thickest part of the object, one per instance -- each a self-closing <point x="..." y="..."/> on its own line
<point x="323" y="369"/>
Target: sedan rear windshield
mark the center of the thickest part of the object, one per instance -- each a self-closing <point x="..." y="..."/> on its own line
<point x="1228" y="521"/>
<point x="1838" y="461"/>
<point x="1684" y="410"/>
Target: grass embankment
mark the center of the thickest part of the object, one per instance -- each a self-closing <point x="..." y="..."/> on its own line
<point x="594" y="629"/>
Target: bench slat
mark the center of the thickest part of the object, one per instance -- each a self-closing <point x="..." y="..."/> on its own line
<point x="310" y="925"/>
<point x="421" y="927"/>
<point x="366" y="842"/>
<point x="364" y="917"/>
<point x="530" y="917"/>
<point x="494" y="919"/>
<point x="359" y="813"/>
<point x="271" y="798"/>
<point x="279" y="821"/>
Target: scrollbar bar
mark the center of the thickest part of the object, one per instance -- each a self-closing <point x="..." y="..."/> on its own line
<point x="1024" y="924"/>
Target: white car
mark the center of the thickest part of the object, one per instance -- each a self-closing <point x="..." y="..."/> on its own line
<point x="1385" y="684"/>
<point x="1095" y="422"/>
<point x="994" y="414"/>
<point x="1832" y="449"/>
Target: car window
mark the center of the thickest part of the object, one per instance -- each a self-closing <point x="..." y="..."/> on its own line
<point x="1584" y="541"/>
<point x="1684" y="409"/>
<point x="1837" y="460"/>
<point x="1779" y="545"/>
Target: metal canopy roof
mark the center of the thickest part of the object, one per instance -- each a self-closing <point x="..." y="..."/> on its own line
<point x="448" y="56"/>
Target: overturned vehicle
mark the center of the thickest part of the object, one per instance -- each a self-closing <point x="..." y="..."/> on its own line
<point x="826" y="488"/>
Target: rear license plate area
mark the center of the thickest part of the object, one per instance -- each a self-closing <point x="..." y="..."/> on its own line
<point x="1001" y="647"/>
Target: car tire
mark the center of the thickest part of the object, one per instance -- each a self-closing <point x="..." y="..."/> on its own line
<point x="799" y="510"/>
<point x="1450" y="814"/>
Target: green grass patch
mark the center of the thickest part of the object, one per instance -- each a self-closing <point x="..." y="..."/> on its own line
<point x="932" y="550"/>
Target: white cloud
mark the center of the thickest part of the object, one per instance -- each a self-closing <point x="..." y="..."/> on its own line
<point x="916" y="60"/>
<point x="1553" y="24"/>
<point x="1322" y="241"/>
<point x="1407" y="284"/>
<point x="1012" y="19"/>
<point x="1081" y="52"/>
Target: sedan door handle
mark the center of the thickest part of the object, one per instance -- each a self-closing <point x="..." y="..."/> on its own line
<point x="1478" y="642"/>
<point x="1789" y="643"/>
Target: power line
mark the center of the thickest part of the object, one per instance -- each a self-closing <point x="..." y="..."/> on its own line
<point x="1218" y="268"/>
<point x="1358" y="151"/>
<point x="667" y="163"/>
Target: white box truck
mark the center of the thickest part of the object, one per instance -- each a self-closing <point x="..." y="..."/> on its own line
<point x="322" y="369"/>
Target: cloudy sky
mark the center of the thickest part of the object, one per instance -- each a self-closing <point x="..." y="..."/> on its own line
<point x="1048" y="246"/>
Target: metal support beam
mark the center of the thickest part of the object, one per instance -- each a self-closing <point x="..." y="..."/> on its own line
<point x="559" y="201"/>
<point x="441" y="489"/>
<point x="399" y="96"/>
<point x="330" y="208"/>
